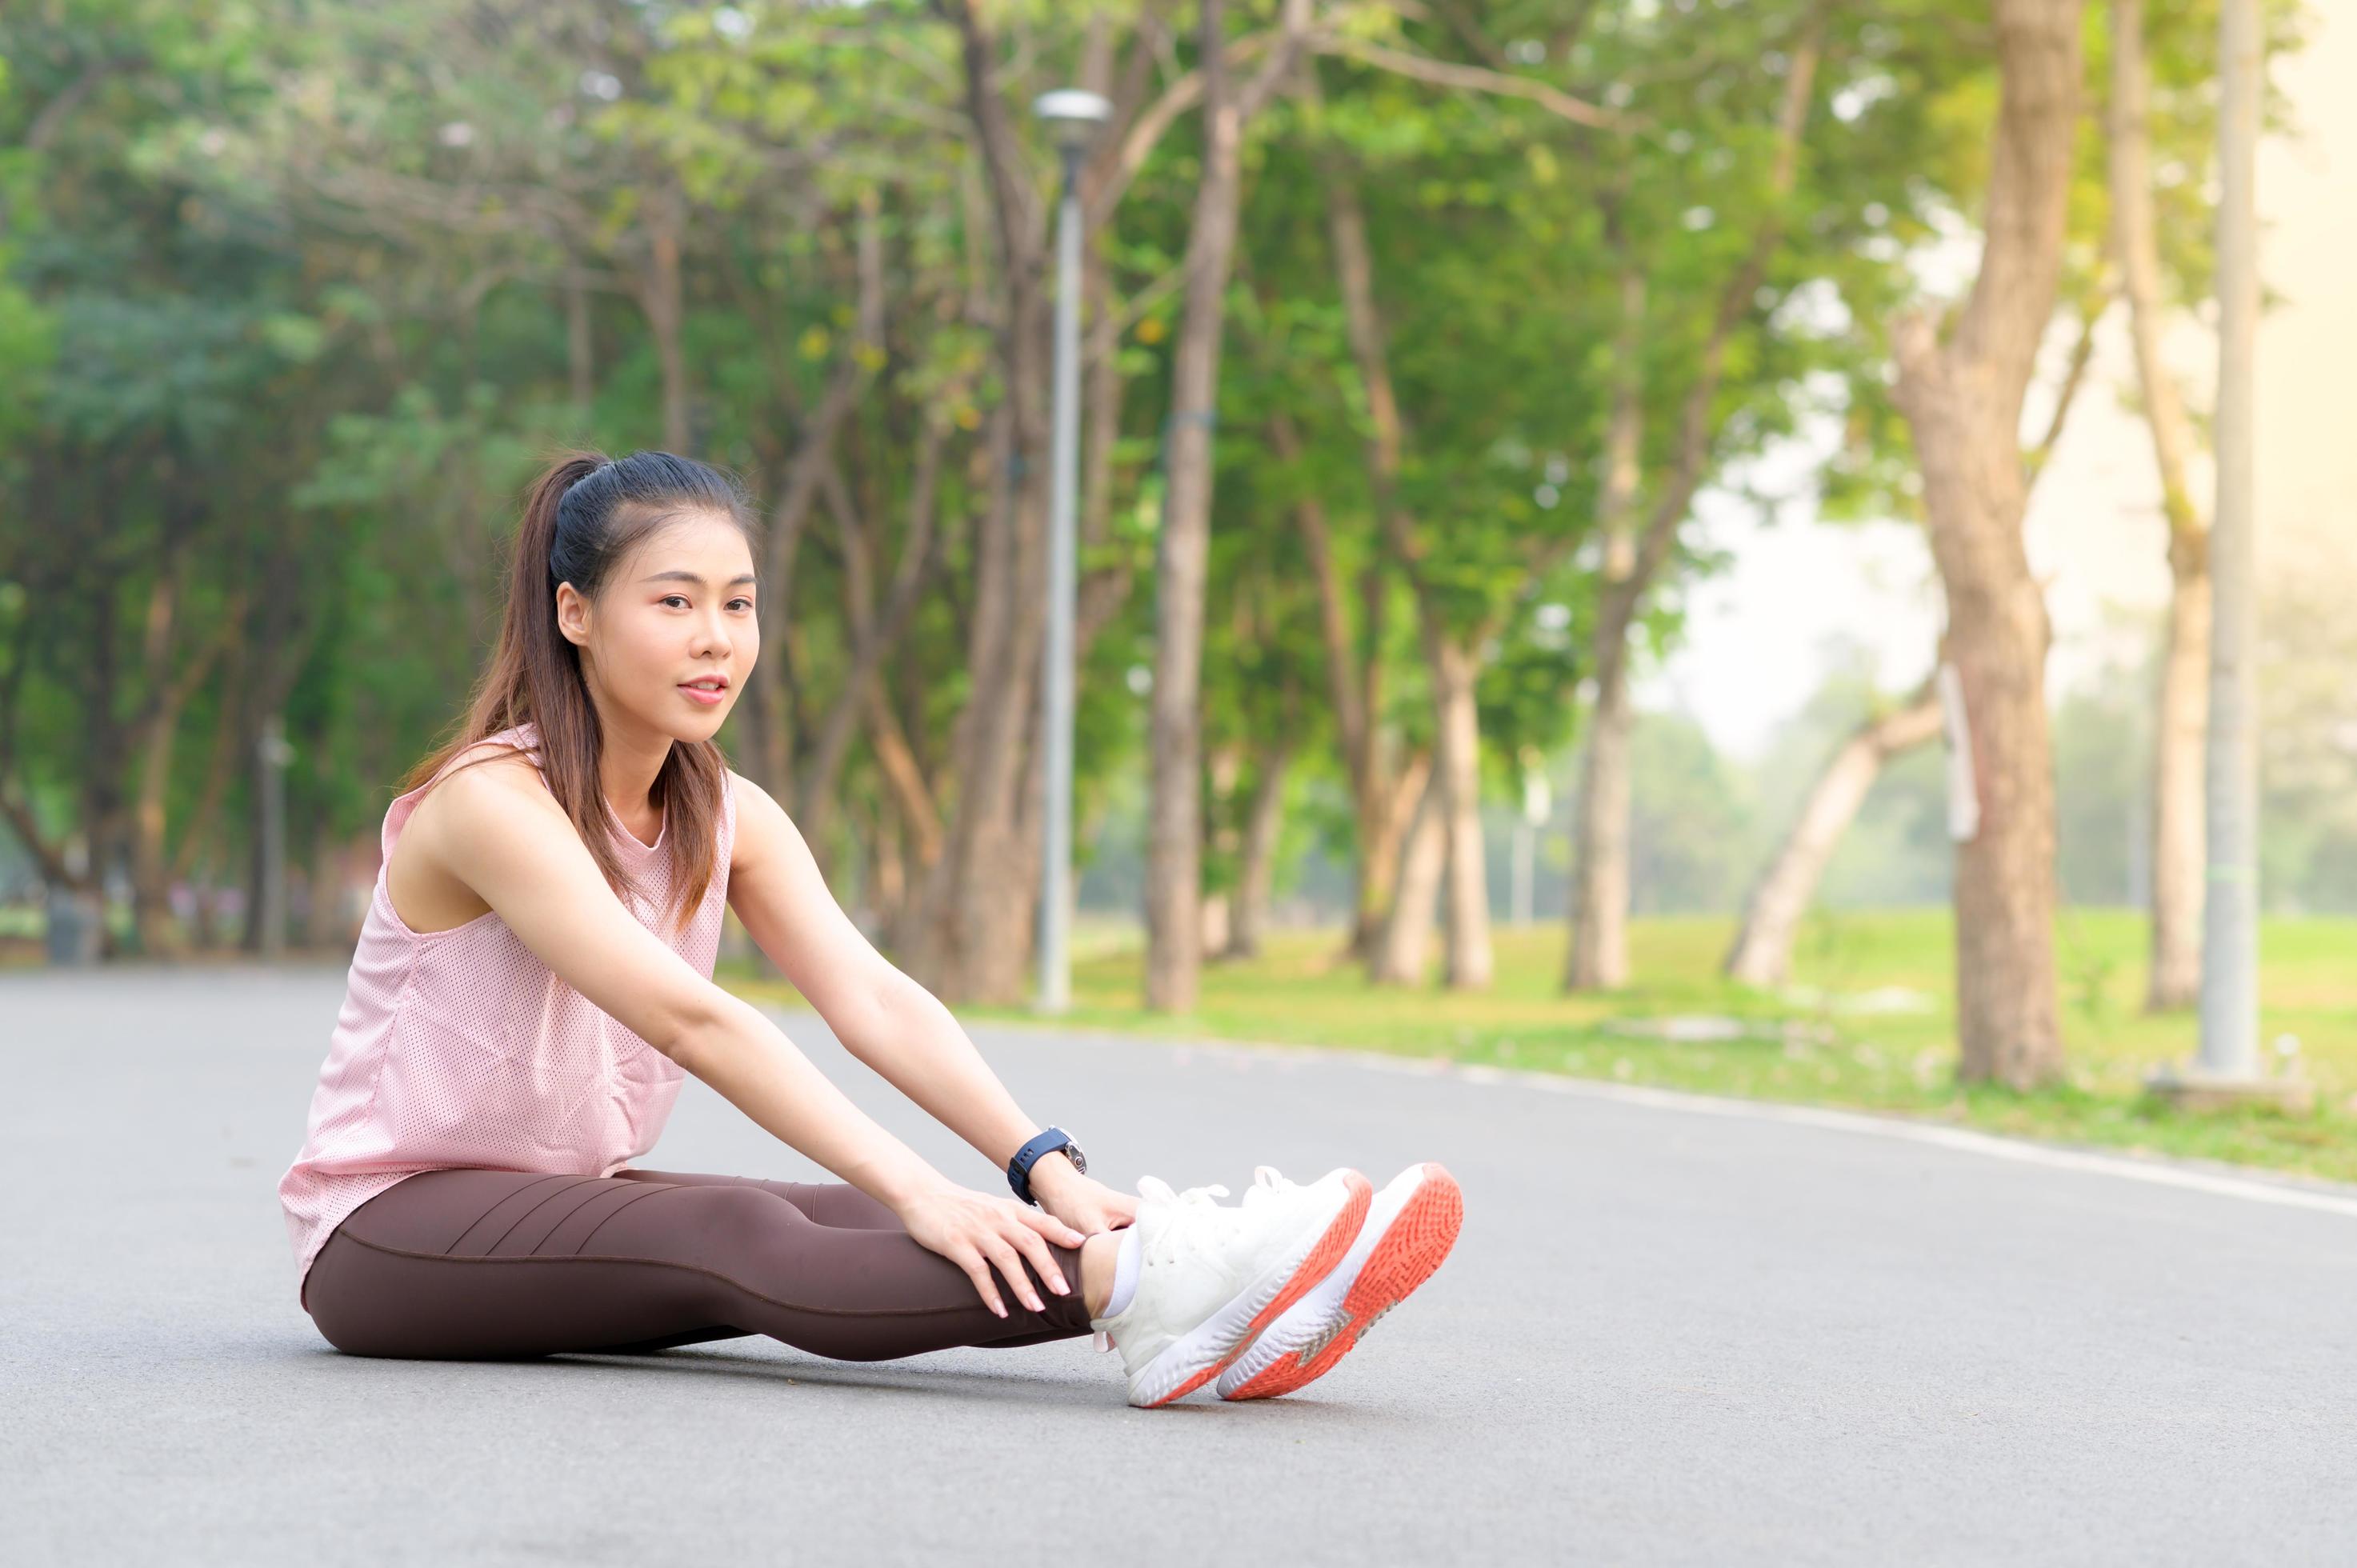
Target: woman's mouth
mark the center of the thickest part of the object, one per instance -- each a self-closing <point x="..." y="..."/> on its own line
<point x="706" y="694"/>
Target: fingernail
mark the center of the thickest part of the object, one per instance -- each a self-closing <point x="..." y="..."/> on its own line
<point x="1057" y="1284"/>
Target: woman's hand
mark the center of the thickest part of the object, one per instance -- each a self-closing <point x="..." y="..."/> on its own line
<point x="975" y="1231"/>
<point x="1081" y="1202"/>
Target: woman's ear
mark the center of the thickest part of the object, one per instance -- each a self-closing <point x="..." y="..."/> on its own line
<point x="572" y="614"/>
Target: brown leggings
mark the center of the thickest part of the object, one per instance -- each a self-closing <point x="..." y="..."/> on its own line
<point x="485" y="1263"/>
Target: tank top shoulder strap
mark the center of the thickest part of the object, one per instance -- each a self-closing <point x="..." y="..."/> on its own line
<point x="522" y="738"/>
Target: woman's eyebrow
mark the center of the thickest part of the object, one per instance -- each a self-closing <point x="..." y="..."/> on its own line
<point x="679" y="576"/>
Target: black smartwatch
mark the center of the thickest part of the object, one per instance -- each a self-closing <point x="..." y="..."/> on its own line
<point x="1018" y="1169"/>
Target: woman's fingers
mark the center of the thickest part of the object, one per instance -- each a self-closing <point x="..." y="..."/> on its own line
<point x="969" y="1258"/>
<point x="1011" y="1265"/>
<point x="1035" y="1249"/>
<point x="980" y="1233"/>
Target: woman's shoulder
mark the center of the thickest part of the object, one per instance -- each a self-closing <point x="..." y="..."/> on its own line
<point x="733" y="786"/>
<point x="511" y="749"/>
<point x="482" y="786"/>
<point x="748" y="798"/>
<point x="752" y="818"/>
<point x="445" y="823"/>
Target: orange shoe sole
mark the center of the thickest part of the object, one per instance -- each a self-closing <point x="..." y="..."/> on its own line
<point x="1315" y="1266"/>
<point x="1417" y="1243"/>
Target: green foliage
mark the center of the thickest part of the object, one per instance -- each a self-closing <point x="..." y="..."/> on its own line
<point x="293" y="299"/>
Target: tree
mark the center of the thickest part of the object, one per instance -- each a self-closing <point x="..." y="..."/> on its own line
<point x="1635" y="556"/>
<point x="1174" y="839"/>
<point x="2177" y="851"/>
<point x="1962" y="394"/>
<point x="1761" y="953"/>
<point x="1454" y="504"/>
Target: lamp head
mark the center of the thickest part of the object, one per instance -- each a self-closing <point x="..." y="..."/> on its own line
<point x="1072" y="116"/>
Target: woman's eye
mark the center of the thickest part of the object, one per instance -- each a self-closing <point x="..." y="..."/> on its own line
<point x="670" y="599"/>
<point x="743" y="604"/>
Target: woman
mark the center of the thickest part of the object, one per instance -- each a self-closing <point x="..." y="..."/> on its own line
<point x="532" y="981"/>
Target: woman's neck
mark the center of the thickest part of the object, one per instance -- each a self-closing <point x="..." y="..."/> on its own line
<point x="628" y="762"/>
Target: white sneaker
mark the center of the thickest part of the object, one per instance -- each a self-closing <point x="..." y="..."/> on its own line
<point x="1210" y="1277"/>
<point x="1410" y="1227"/>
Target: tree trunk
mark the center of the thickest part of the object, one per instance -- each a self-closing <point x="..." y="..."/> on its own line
<point x="154" y="733"/>
<point x="1599" y="890"/>
<point x="1407" y="933"/>
<point x="1455" y="669"/>
<point x="1963" y="402"/>
<point x="969" y="933"/>
<point x="979" y="900"/>
<point x="1598" y="899"/>
<point x="197" y="835"/>
<point x="151" y="746"/>
<point x="912" y="798"/>
<point x="1762" y="953"/>
<point x="1380" y="802"/>
<point x="1383" y="805"/>
<point x="888" y="873"/>
<point x="1453" y="666"/>
<point x="150" y="869"/>
<point x="2180" y="843"/>
<point x="1174" y="844"/>
<point x="1255" y="878"/>
<point x="1223" y="769"/>
<point x="874" y="630"/>
<point x="663" y="301"/>
<point x="2179" y="853"/>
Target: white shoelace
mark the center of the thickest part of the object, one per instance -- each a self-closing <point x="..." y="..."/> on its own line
<point x="1187" y="1222"/>
<point x="1186" y="1227"/>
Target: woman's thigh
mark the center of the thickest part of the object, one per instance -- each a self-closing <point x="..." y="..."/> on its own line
<point x="834" y="1203"/>
<point x="472" y="1262"/>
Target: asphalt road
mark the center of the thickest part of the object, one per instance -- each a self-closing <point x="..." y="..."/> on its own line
<point x="1670" y="1333"/>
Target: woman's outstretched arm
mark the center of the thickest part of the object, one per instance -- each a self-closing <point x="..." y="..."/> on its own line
<point x="497" y="830"/>
<point x="882" y="1017"/>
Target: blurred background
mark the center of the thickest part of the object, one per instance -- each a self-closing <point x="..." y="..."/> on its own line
<point x="1508" y="602"/>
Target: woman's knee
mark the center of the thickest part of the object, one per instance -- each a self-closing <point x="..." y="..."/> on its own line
<point x="719" y="1228"/>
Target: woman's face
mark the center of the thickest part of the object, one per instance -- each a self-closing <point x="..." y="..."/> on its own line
<point x="671" y="637"/>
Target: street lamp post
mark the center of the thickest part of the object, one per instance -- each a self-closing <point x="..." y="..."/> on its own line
<point x="2228" y="1069"/>
<point x="2229" y="925"/>
<point x="1073" y="118"/>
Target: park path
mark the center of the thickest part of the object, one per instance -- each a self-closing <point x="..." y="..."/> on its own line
<point x="1669" y="1335"/>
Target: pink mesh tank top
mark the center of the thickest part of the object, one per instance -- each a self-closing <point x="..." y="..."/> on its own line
<point x="461" y="1048"/>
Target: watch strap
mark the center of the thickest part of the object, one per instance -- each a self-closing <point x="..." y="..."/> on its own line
<point x="1018" y="1169"/>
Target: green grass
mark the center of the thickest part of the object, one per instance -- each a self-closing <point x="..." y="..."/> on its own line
<point x="1801" y="1045"/>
